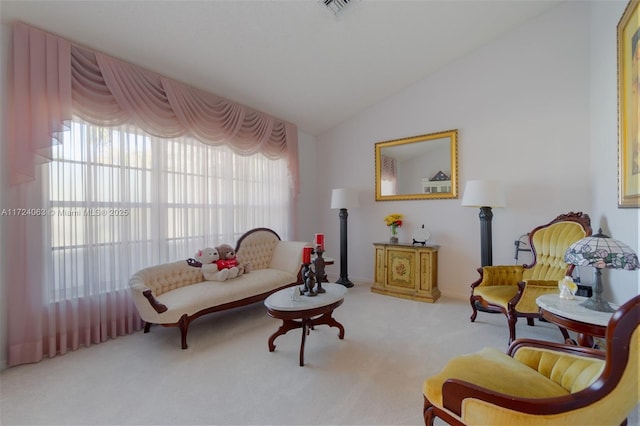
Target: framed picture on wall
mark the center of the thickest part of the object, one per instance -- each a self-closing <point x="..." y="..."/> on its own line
<point x="629" y="107"/>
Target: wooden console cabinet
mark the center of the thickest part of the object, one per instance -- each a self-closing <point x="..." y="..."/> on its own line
<point x="407" y="271"/>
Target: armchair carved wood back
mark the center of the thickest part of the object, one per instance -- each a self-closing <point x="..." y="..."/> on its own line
<point x="513" y="289"/>
<point x="549" y="243"/>
<point x="591" y="393"/>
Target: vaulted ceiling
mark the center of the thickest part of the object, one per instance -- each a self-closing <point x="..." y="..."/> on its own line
<point x="292" y="59"/>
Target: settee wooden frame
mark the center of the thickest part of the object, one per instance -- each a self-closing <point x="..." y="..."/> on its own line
<point x="185" y="320"/>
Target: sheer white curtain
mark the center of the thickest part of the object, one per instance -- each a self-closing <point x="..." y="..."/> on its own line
<point x="118" y="200"/>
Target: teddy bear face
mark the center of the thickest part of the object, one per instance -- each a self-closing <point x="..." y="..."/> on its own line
<point x="207" y="255"/>
<point x="226" y="252"/>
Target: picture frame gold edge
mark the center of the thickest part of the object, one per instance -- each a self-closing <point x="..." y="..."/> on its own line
<point x="624" y="200"/>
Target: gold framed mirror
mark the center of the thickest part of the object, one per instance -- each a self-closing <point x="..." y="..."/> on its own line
<point x="423" y="167"/>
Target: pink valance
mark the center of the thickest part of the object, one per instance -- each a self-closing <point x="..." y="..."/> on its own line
<point x="39" y="98"/>
<point x="54" y="79"/>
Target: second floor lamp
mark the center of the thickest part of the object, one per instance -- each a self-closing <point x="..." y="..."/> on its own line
<point x="343" y="199"/>
<point x="485" y="195"/>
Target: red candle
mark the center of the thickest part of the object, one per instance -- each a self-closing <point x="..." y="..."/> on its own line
<point x="306" y="254"/>
<point x="320" y="241"/>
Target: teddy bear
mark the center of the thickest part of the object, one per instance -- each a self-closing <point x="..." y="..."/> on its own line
<point x="207" y="259"/>
<point x="228" y="260"/>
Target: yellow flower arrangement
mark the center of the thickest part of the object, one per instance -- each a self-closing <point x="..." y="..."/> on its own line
<point x="394" y="219"/>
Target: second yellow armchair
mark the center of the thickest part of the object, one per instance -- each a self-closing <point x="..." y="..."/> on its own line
<point x="513" y="289"/>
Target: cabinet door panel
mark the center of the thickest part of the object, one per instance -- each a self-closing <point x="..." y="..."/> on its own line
<point x="379" y="267"/>
<point x="428" y="269"/>
<point x="401" y="266"/>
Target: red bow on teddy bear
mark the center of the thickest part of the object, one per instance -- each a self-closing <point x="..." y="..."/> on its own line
<point x="228" y="260"/>
<point x="227" y="257"/>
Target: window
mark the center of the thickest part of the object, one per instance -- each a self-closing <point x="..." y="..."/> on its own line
<point x="389" y="176"/>
<point x="120" y="200"/>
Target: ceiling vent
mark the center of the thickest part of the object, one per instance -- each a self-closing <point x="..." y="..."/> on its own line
<point x="336" y="6"/>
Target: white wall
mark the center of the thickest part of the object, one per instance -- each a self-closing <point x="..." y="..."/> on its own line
<point x="521" y="104"/>
<point x="309" y="170"/>
<point x="412" y="171"/>
<point x="622" y="224"/>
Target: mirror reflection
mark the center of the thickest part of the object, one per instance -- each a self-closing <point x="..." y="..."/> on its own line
<point x="419" y="167"/>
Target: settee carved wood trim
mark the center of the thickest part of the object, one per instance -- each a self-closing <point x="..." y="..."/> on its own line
<point x="185" y="320"/>
<point x="159" y="307"/>
<point x="248" y="233"/>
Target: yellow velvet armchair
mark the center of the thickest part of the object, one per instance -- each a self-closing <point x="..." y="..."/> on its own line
<point x="542" y="383"/>
<point x="513" y="289"/>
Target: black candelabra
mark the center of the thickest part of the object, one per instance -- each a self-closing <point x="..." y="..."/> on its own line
<point x="313" y="277"/>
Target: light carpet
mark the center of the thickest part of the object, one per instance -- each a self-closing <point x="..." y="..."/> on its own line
<point x="228" y="376"/>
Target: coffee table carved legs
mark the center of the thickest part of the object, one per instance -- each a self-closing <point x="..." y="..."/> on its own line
<point x="304" y="312"/>
<point x="307" y="324"/>
<point x="286" y="326"/>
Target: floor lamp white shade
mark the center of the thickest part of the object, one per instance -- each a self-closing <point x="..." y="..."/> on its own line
<point x="484" y="194"/>
<point x="343" y="199"/>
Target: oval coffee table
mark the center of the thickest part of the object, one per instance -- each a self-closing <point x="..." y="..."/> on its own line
<point x="304" y="311"/>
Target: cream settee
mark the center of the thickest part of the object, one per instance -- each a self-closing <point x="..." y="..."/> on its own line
<point x="174" y="294"/>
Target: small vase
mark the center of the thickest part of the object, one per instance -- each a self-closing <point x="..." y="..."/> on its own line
<point x="394" y="234"/>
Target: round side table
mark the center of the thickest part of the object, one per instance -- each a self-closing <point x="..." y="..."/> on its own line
<point x="568" y="314"/>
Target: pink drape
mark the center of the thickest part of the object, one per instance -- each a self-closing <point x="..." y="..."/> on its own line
<point x="39" y="98"/>
<point x="53" y="79"/>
